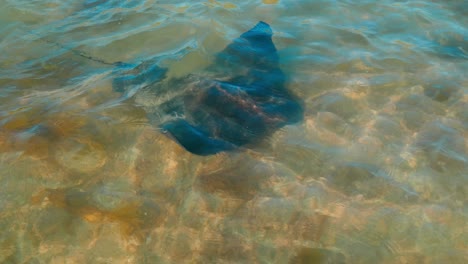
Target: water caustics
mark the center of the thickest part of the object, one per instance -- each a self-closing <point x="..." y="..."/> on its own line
<point x="151" y="131"/>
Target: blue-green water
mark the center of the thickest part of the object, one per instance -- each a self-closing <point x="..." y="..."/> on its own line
<point x="376" y="173"/>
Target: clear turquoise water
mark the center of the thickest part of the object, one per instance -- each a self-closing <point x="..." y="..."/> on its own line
<point x="376" y="173"/>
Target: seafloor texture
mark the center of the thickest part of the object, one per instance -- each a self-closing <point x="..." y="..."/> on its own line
<point x="377" y="172"/>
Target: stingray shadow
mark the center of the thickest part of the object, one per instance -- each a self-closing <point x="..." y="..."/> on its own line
<point x="240" y="100"/>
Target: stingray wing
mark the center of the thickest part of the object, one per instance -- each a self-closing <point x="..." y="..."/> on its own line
<point x="141" y="75"/>
<point x="252" y="61"/>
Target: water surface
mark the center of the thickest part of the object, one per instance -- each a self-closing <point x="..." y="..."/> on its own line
<point x="376" y="173"/>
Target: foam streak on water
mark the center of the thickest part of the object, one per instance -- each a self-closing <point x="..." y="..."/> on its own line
<point x="376" y="173"/>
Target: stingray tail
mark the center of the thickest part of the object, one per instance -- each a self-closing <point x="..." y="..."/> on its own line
<point x="81" y="53"/>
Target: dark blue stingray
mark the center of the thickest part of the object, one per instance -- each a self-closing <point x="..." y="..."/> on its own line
<point x="243" y="101"/>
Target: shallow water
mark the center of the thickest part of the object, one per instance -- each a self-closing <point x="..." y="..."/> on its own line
<point x="376" y="173"/>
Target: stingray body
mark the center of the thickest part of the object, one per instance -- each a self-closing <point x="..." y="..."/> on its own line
<point x="239" y="100"/>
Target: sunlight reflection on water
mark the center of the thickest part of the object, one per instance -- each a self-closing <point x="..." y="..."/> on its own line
<point x="376" y="173"/>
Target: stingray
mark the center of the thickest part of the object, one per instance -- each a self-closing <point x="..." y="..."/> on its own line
<point x="237" y="101"/>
